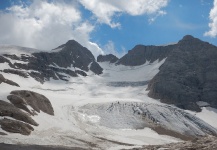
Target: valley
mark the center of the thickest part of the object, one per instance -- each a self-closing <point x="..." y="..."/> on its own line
<point x="108" y="105"/>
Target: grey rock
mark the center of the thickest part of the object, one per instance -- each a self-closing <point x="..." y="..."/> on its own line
<point x="17" y="72"/>
<point x="7" y="109"/>
<point x="95" y="67"/>
<point x="10" y="82"/>
<point x="188" y="75"/>
<point x="45" y="65"/>
<point x="16" y="126"/>
<point x="2" y="133"/>
<point x="19" y="102"/>
<point x="36" y="101"/>
<point x="140" y="54"/>
<point x="107" y="58"/>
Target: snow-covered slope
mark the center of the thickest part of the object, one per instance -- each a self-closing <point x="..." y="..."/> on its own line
<point x="121" y="73"/>
<point x="107" y="111"/>
<point x="134" y="115"/>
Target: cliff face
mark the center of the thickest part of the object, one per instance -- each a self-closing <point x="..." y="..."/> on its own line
<point x="188" y="75"/>
<point x="107" y="58"/>
<point x="70" y="59"/>
<point x="140" y="54"/>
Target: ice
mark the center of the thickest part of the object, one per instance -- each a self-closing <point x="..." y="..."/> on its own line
<point x="79" y="116"/>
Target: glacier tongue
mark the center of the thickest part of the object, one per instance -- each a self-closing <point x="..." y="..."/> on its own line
<point x="138" y="115"/>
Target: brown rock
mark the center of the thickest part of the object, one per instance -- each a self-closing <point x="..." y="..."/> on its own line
<point x="20" y="103"/>
<point x="7" y="109"/>
<point x="2" y="79"/>
<point x="36" y="101"/>
<point x="16" y="126"/>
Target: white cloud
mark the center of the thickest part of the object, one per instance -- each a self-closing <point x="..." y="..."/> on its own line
<point x="109" y="48"/>
<point x="213" y="24"/>
<point x="105" y="10"/>
<point x="45" y="25"/>
<point x="159" y="13"/>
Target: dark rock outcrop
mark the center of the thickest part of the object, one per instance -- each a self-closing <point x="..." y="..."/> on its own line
<point x="70" y="59"/>
<point x="7" y="109"/>
<point x="22" y="121"/>
<point x="36" y="101"/>
<point x="17" y="72"/>
<point x="16" y="126"/>
<point x="95" y="67"/>
<point x="19" y="102"/>
<point x="10" y="82"/>
<point x="107" y="58"/>
<point x="140" y="54"/>
<point x="188" y="75"/>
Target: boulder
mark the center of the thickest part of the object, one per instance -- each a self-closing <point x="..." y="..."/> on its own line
<point x="7" y="109"/>
<point x="36" y="101"/>
<point x="15" y="126"/>
<point x="20" y="103"/>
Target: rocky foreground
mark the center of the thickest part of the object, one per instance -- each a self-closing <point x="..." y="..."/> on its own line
<point x="205" y="143"/>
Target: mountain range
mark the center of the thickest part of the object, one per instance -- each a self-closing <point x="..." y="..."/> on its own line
<point x="158" y="94"/>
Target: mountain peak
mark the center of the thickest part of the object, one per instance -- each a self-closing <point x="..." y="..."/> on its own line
<point x="71" y="42"/>
<point x="188" y="37"/>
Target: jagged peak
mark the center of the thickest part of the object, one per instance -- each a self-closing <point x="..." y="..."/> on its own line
<point x="69" y="43"/>
<point x="188" y="37"/>
<point x="72" y="42"/>
<point x="190" y="40"/>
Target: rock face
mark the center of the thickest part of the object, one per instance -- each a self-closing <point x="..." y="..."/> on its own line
<point x="68" y="60"/>
<point x="188" y="75"/>
<point x="22" y="121"/>
<point x="10" y="82"/>
<point x="7" y="109"/>
<point x="16" y="126"/>
<point x="140" y="54"/>
<point x="107" y="58"/>
<point x="36" y="101"/>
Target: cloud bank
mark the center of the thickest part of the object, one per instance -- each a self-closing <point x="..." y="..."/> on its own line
<point x="45" y="25"/>
<point x="213" y="24"/>
<point x="105" y="10"/>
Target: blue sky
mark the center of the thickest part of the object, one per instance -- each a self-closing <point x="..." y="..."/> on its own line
<point x="106" y="26"/>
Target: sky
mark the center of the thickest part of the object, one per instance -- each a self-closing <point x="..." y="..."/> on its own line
<point x="105" y="26"/>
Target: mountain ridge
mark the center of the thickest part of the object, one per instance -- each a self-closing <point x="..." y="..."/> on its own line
<point x="79" y="102"/>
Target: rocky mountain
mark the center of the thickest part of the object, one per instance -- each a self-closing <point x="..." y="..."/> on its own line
<point x="107" y="58"/>
<point x="188" y="75"/>
<point x="140" y="54"/>
<point x="113" y="103"/>
<point x="68" y="60"/>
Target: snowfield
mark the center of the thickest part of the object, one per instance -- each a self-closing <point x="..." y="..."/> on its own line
<point x="110" y="111"/>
